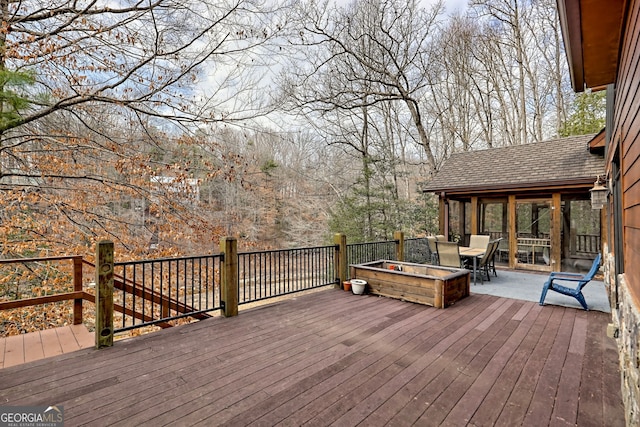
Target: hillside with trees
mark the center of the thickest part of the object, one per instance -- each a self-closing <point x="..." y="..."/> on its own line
<point x="165" y="125"/>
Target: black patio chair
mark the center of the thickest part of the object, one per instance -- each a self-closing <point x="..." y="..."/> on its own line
<point x="576" y="292"/>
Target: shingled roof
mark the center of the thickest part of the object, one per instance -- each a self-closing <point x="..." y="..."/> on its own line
<point x="554" y="163"/>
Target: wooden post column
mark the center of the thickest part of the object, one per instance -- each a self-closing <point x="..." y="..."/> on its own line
<point x="340" y="240"/>
<point x="556" y="228"/>
<point x="104" y="294"/>
<point x="604" y="231"/>
<point x="398" y="236"/>
<point x="442" y="220"/>
<point x="447" y="218"/>
<point x="229" y="279"/>
<point x="474" y="215"/>
<point x="462" y="223"/>
<point x="77" y="287"/>
<point x="513" y="236"/>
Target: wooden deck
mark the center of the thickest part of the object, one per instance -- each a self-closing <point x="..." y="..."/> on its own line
<point x="18" y="349"/>
<point x="333" y="358"/>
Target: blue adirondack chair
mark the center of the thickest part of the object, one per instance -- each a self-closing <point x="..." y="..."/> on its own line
<point x="571" y="277"/>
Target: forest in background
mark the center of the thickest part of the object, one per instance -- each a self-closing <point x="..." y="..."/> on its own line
<point x="164" y="126"/>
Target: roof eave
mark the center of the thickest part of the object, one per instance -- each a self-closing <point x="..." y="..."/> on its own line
<point x="569" y="14"/>
<point x="566" y="184"/>
<point x="592" y="32"/>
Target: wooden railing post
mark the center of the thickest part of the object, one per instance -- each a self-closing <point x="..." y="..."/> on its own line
<point x="104" y="294"/>
<point x="340" y="240"/>
<point x="398" y="236"/>
<point x="77" y="287"/>
<point x="229" y="279"/>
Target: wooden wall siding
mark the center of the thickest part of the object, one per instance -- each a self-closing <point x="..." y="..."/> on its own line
<point x="627" y="132"/>
<point x="627" y="84"/>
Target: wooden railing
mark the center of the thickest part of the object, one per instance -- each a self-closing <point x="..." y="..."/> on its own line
<point x="146" y="292"/>
<point x="586" y="244"/>
<point x="581" y="245"/>
<point x="78" y="294"/>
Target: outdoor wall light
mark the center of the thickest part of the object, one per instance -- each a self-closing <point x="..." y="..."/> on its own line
<point x="599" y="193"/>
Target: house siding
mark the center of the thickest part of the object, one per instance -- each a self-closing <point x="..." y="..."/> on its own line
<point x="625" y="136"/>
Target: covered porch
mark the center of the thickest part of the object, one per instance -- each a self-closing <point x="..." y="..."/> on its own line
<point x="534" y="197"/>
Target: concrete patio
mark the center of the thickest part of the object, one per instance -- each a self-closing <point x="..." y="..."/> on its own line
<point x="528" y="286"/>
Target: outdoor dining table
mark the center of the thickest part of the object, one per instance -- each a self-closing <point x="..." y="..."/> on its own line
<point x="474" y="253"/>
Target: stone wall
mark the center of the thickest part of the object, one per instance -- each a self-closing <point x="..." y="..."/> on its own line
<point x="626" y="321"/>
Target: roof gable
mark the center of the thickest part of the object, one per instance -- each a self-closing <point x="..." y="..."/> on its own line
<point x="536" y="165"/>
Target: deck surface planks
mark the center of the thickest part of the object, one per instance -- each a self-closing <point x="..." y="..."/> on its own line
<point x="333" y="358"/>
<point x="50" y="343"/>
<point x="25" y="348"/>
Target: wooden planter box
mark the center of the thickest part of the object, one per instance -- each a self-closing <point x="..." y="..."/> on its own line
<point x="432" y="285"/>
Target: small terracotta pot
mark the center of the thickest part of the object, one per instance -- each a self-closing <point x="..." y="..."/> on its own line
<point x="346" y="285"/>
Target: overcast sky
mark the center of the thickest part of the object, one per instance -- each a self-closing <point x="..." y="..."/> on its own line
<point x="452" y="6"/>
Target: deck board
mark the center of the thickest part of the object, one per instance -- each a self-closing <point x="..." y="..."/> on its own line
<point x="245" y="368"/>
<point x="34" y="346"/>
<point x="546" y="389"/>
<point x="476" y="393"/>
<point x="14" y="351"/>
<point x="33" y="342"/>
<point x="594" y="362"/>
<point x="522" y="393"/>
<point x="333" y="358"/>
<point x="50" y="343"/>
<point x="532" y="328"/>
<point x="83" y="339"/>
<point x="415" y="360"/>
<point x="566" y="406"/>
<point x="456" y="378"/>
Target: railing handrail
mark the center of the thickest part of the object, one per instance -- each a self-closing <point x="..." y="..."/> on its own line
<point x="38" y="259"/>
<point x="164" y="259"/>
<point x="78" y="295"/>
<point x="286" y="250"/>
<point x="372" y="243"/>
<point x="26" y="302"/>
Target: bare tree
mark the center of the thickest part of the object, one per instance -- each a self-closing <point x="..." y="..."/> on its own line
<point x="367" y="53"/>
<point x="455" y="97"/>
<point x="552" y="68"/>
<point x="506" y="18"/>
<point x="143" y="55"/>
<point x="520" y="54"/>
<point x="91" y="90"/>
